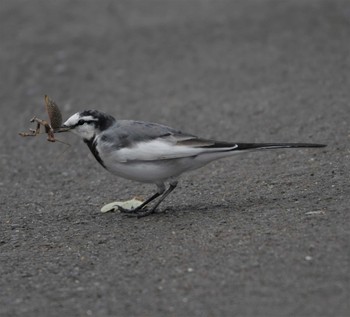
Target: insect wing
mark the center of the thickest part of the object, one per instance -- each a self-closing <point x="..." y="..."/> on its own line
<point x="54" y="113"/>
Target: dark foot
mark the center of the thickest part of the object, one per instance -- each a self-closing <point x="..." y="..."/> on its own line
<point x="143" y="212"/>
<point x="128" y="211"/>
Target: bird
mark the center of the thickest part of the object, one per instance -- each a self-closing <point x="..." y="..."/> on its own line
<point x="153" y="153"/>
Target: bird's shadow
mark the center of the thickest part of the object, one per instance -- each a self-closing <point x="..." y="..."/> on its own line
<point x="238" y="205"/>
<point x="203" y="207"/>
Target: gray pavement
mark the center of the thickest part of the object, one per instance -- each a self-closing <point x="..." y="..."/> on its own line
<point x="260" y="234"/>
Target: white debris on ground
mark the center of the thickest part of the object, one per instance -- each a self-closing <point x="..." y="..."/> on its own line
<point x="127" y="204"/>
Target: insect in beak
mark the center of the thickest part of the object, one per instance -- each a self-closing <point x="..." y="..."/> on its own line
<point x="52" y="126"/>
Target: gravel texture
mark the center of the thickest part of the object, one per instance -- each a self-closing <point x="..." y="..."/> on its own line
<point x="259" y="234"/>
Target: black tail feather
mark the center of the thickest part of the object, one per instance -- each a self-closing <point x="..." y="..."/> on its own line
<point x="267" y="146"/>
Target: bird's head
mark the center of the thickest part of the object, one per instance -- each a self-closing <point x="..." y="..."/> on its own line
<point x="88" y="123"/>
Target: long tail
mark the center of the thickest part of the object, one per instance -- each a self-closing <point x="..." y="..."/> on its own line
<point x="213" y="150"/>
<point x="268" y="146"/>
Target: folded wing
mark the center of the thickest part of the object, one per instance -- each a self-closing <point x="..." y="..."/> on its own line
<point x="143" y="141"/>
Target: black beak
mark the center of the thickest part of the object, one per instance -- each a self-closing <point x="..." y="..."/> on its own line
<point x="62" y="128"/>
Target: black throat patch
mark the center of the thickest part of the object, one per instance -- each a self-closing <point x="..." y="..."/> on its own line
<point x="92" y="146"/>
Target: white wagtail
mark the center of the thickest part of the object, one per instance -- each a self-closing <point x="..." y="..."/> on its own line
<point x="153" y="153"/>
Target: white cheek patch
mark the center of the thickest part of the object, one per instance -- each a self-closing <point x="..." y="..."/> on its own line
<point x="86" y="131"/>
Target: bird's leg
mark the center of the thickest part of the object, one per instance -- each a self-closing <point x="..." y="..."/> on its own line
<point x="138" y="208"/>
<point x="143" y="213"/>
<point x="161" y="190"/>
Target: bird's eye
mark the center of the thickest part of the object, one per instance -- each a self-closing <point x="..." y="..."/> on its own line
<point x="81" y="122"/>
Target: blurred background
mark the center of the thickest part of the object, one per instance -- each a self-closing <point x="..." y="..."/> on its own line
<point x="249" y="71"/>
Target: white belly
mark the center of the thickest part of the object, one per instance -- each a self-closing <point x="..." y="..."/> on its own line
<point x="154" y="171"/>
<point x="150" y="171"/>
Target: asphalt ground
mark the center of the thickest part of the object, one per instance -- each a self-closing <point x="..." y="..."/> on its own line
<point x="258" y="234"/>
